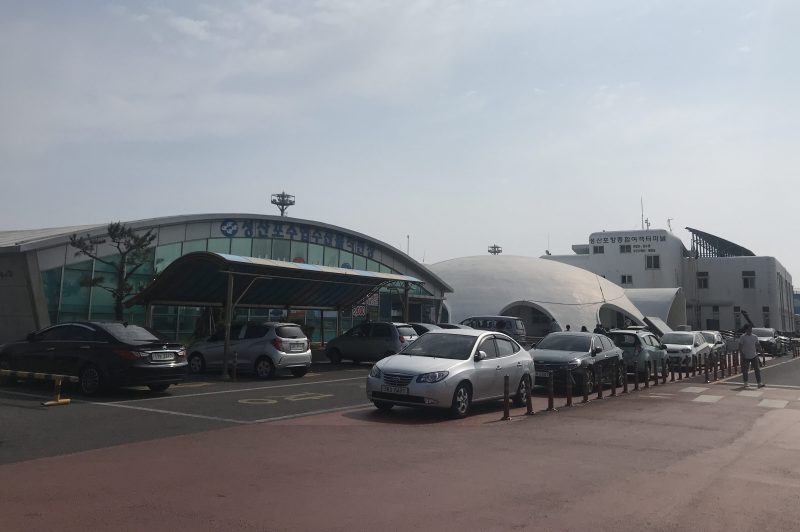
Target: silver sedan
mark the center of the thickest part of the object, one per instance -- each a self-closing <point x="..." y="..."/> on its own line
<point x="451" y="368"/>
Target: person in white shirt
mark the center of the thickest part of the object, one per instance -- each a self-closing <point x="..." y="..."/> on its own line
<point x="750" y="348"/>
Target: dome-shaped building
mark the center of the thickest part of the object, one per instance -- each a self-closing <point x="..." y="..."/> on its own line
<point x="535" y="290"/>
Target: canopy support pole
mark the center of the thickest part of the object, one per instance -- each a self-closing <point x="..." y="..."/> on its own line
<point x="406" y="289"/>
<point x="228" y="316"/>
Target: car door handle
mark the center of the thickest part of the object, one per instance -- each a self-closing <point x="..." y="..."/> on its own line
<point x="498" y="368"/>
<point x="50" y="349"/>
<point x="86" y="347"/>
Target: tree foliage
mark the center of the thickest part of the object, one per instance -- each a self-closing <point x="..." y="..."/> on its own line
<point x="132" y="254"/>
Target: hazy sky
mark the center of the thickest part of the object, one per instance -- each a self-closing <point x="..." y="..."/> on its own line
<point x="459" y="123"/>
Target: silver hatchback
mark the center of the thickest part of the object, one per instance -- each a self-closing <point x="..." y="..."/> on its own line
<point x="261" y="348"/>
<point x="452" y="369"/>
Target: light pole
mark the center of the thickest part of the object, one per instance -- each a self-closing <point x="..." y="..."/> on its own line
<point x="283" y="201"/>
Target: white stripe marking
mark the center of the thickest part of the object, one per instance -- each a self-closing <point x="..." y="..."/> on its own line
<point x="159" y="411"/>
<point x="693" y="389"/>
<point x="773" y="403"/>
<point x="313" y="413"/>
<point x="707" y="398"/>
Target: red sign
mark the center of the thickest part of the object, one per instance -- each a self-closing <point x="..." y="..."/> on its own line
<point x="359" y="311"/>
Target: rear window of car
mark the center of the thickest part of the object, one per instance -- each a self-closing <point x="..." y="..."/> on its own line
<point x="406" y="331"/>
<point x="131" y="333"/>
<point x="624" y="340"/>
<point x="678" y="338"/>
<point x="289" y="331"/>
<point x="709" y="337"/>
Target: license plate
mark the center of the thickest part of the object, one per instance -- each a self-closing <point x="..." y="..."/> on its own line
<point x="294" y="348"/>
<point x="401" y="390"/>
<point x="542" y="374"/>
<point x="161" y="357"/>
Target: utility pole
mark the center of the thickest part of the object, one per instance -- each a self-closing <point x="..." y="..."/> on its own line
<point x="283" y="201"/>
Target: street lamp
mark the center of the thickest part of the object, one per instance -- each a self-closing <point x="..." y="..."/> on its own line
<point x="283" y="201"/>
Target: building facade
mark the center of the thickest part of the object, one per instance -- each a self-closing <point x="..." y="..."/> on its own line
<point x="43" y="279"/>
<point x="724" y="284"/>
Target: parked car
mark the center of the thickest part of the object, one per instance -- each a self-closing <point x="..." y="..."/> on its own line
<point x="101" y="354"/>
<point x="370" y="341"/>
<point x="584" y="354"/>
<point x="260" y="348"/>
<point x="451" y="369"/>
<point x="422" y="328"/>
<point x="453" y="326"/>
<point x="717" y="342"/>
<point x="768" y="338"/>
<point x="514" y="327"/>
<point x="642" y="351"/>
<point x="686" y="348"/>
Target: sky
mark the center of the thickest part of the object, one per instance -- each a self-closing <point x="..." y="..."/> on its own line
<point x="444" y="125"/>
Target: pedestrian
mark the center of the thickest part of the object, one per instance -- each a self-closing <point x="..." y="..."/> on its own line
<point x="599" y="329"/>
<point x="584" y="329"/>
<point x="750" y="348"/>
<point x="568" y="328"/>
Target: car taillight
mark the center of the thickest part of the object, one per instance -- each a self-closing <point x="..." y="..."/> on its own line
<point x="402" y="339"/>
<point x="128" y="355"/>
<point x="277" y="343"/>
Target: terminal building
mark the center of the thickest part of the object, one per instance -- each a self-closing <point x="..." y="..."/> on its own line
<point x="43" y="280"/>
<point x="715" y="285"/>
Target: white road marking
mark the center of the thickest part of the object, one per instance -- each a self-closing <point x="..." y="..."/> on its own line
<point x="171" y="413"/>
<point x="693" y="389"/>
<point x="234" y="391"/>
<point x="786" y="386"/>
<point x="773" y="403"/>
<point x="21" y="394"/>
<point x="313" y="413"/>
<point x="763" y="368"/>
<point x="707" y="398"/>
<point x="750" y="393"/>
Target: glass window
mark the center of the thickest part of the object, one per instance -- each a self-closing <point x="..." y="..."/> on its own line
<point x="242" y="247"/>
<point x="299" y="251"/>
<point x="360" y="263"/>
<point x="262" y="248"/>
<point x="74" y="295"/>
<point x="75" y="333"/>
<point x="166" y="254"/>
<point x="51" y="285"/>
<point x="625" y="248"/>
<point x="194" y="245"/>
<point x="381" y="330"/>
<point x="50" y="335"/>
<point x="565" y="342"/>
<point x="316" y="254"/>
<point x="489" y="347"/>
<point x="504" y="347"/>
<point x="626" y="279"/>
<point x="255" y="331"/>
<point x="384" y="268"/>
<point x="345" y="259"/>
<point x="607" y="345"/>
<point x="598" y="249"/>
<point x="373" y="266"/>
<point x="282" y="250"/>
<point x="219" y="245"/>
<point x="653" y="262"/>
<point x="331" y="257"/>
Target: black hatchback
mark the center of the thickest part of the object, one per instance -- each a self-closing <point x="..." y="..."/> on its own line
<point x="101" y="354"/>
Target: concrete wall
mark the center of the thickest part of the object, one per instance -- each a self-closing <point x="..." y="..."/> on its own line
<point x="22" y="304"/>
<point x="613" y="264"/>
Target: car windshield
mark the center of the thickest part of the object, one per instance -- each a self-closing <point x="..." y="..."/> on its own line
<point x="709" y="337"/>
<point x="289" y="331"/>
<point x="131" y="333"/>
<point x="565" y="342"/>
<point x="624" y="340"/>
<point x="405" y="330"/>
<point x="678" y="338"/>
<point x="454" y="346"/>
<point x="763" y="332"/>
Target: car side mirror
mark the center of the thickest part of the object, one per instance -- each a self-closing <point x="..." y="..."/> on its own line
<point x="481" y="355"/>
<point x="596" y="350"/>
<point x="696" y="344"/>
<point x="31" y="337"/>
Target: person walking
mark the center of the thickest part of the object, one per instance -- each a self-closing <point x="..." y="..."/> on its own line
<point x="568" y="327"/>
<point x="750" y="348"/>
<point x="584" y="329"/>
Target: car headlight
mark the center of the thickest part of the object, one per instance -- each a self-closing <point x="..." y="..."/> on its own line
<point x="574" y="364"/>
<point x="436" y="376"/>
<point x="375" y="372"/>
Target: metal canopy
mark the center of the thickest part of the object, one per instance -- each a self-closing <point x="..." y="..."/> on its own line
<point x="708" y="245"/>
<point x="201" y="279"/>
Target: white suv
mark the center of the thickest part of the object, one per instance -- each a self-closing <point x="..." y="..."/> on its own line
<point x="258" y="347"/>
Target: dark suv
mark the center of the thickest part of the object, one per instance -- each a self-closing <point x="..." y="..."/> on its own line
<point x="370" y="341"/>
<point x="510" y="325"/>
<point x="100" y="354"/>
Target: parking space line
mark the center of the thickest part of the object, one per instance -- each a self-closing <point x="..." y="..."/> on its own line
<point x="313" y="413"/>
<point x="220" y="392"/>
<point x="22" y="394"/>
<point x="159" y="411"/>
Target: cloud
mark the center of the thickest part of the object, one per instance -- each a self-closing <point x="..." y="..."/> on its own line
<point x="191" y="27"/>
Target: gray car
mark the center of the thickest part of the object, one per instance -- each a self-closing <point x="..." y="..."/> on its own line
<point x="261" y="348"/>
<point x="577" y="355"/>
<point x="686" y="348"/>
<point x="370" y="341"/>
<point x="452" y="369"/>
<point x="642" y="351"/>
<point x="510" y="325"/>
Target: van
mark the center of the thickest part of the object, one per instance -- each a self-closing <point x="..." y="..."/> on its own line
<point x="510" y="325"/>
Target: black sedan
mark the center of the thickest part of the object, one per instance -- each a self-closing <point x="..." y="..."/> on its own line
<point x="101" y="354"/>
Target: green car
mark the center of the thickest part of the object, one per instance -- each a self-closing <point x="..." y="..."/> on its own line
<point x="640" y="350"/>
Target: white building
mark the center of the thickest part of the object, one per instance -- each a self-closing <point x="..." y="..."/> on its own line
<point x="721" y="283"/>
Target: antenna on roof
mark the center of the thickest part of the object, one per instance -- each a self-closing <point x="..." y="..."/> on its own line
<point x="669" y="223"/>
<point x="641" y="204"/>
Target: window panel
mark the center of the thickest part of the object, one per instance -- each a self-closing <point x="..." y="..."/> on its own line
<point x="299" y="251"/>
<point x="345" y="259"/>
<point x="281" y="250"/>
<point x="194" y="245"/>
<point x="165" y="255"/>
<point x="316" y="254"/>
<point x="262" y="248"/>
<point x="359" y="263"/>
<point x="331" y="257"/>
<point x="242" y="247"/>
<point x="219" y="245"/>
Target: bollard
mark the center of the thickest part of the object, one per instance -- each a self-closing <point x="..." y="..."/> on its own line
<point x="506" y="400"/>
<point x="655" y="372"/>
<point x="729" y="362"/>
<point x="694" y="367"/>
<point x="615" y="367"/>
<point x="635" y="375"/>
<point x="715" y="362"/>
<point x="529" y="402"/>
<point x="550" y="391"/>
<point x="672" y="370"/>
<point x="663" y="371"/>
<point x="736" y="362"/>
<point x="569" y="387"/>
<point x="647" y="375"/>
<point x="688" y="367"/>
<point x="57" y="400"/>
<point x="599" y="380"/>
<point x="680" y="372"/>
<point x="235" y="363"/>
<point x="705" y="367"/>
<point x="586" y="385"/>
<point x="624" y="378"/>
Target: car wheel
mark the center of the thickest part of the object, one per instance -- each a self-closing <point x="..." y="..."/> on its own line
<point x="90" y="380"/>
<point x="383" y="406"/>
<point x="462" y="400"/>
<point x="264" y="368"/>
<point x="523" y="391"/>
<point x="158" y="387"/>
<point x="590" y="382"/>
<point x="334" y="356"/>
<point x="299" y="372"/>
<point x="197" y="363"/>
